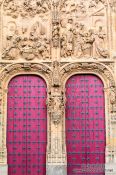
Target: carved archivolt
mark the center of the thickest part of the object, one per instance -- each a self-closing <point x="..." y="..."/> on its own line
<point x="106" y="75"/>
<point x="96" y="68"/>
<point x="6" y="75"/>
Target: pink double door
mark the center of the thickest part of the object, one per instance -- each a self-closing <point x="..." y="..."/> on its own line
<point x="85" y="125"/>
<point x="26" y="126"/>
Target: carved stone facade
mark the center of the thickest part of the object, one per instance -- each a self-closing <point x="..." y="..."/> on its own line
<point x="57" y="39"/>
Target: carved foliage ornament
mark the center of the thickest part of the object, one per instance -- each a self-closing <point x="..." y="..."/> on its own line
<point x="89" y="67"/>
<point x="14" y="69"/>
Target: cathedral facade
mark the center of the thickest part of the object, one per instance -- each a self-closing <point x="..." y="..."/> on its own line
<point x="57" y="87"/>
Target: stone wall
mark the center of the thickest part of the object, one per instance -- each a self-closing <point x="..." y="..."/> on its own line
<point x="56" y="39"/>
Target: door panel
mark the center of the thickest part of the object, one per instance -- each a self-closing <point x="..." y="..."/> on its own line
<point x="26" y="126"/>
<point x="85" y="125"/>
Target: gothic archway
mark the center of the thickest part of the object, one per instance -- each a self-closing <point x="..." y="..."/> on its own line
<point x="106" y="75"/>
<point x="37" y="70"/>
<point x="26" y="125"/>
<point x="85" y="125"/>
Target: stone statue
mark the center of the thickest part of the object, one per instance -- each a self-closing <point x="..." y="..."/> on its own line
<point x="100" y="43"/>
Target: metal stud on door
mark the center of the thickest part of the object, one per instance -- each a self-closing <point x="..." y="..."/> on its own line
<point x="85" y="125"/>
<point x="26" y="126"/>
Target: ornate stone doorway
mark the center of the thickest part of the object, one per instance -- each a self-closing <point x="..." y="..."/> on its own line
<point x="26" y="125"/>
<point x="85" y="125"/>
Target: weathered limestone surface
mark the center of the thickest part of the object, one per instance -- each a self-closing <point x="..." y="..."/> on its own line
<point x="56" y="39"/>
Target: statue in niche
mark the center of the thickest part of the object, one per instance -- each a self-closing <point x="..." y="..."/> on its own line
<point x="67" y="39"/>
<point x="113" y="98"/>
<point x="55" y="107"/>
<point x="56" y="74"/>
<point x="100" y="43"/>
<point x="70" y="37"/>
<point x="56" y="34"/>
<point x="57" y="112"/>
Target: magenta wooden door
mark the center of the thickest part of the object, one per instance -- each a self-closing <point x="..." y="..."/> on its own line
<point x="26" y="126"/>
<point x="85" y="125"/>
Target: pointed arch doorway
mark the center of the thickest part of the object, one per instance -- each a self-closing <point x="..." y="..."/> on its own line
<point x="85" y="125"/>
<point x="26" y="125"/>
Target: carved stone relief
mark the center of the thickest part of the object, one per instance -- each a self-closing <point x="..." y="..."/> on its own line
<point x="25" y="33"/>
<point x="78" y="39"/>
<point x="80" y="31"/>
<point x="31" y="8"/>
<point x="56" y="108"/>
<point x="27" y="43"/>
<point x="113" y="99"/>
<point x="67" y="29"/>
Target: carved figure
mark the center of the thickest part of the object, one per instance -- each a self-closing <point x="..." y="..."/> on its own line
<point x="87" y="42"/>
<point x="113" y="99"/>
<point x="56" y="34"/>
<point x="67" y="39"/>
<point x="13" y="49"/>
<point x="55" y="107"/>
<point x="27" y="47"/>
<point x="100" y="43"/>
<point x="56" y="74"/>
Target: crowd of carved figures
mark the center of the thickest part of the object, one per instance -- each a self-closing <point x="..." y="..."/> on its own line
<point x="69" y="30"/>
<point x="26" y="8"/>
<point x="34" y="45"/>
<point x="77" y="40"/>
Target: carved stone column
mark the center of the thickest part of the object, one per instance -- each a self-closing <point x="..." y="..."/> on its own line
<point x="56" y="153"/>
<point x="55" y="31"/>
<point x="3" y="149"/>
<point x="110" y="167"/>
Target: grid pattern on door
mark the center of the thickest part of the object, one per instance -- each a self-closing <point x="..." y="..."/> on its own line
<point x="85" y="125"/>
<point x="26" y="125"/>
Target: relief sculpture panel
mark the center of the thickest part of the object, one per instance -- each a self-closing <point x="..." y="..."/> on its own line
<point x="80" y="29"/>
<point x="57" y="39"/>
<point x="83" y="30"/>
<point x="25" y="33"/>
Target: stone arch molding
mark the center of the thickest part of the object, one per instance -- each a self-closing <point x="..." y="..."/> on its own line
<point x="100" y="69"/>
<point x="107" y="77"/>
<point x="7" y="74"/>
